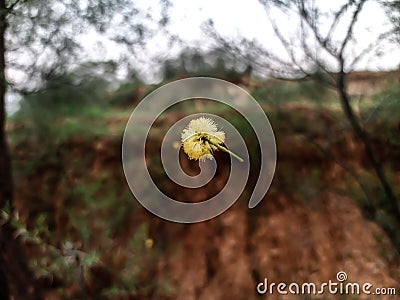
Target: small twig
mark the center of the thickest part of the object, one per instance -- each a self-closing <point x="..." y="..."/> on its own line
<point x="226" y="150"/>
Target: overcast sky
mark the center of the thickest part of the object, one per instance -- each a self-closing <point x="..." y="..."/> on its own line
<point x="236" y="19"/>
<point x="248" y="19"/>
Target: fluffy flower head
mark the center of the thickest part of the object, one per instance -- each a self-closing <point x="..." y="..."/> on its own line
<point x="201" y="137"/>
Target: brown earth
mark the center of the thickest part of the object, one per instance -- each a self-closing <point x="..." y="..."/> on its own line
<point x="307" y="229"/>
<point x="368" y="83"/>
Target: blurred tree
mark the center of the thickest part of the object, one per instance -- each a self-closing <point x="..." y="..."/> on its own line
<point x="40" y="40"/>
<point x="76" y="93"/>
<point x="214" y="63"/>
<point x="322" y="48"/>
<point x="130" y="92"/>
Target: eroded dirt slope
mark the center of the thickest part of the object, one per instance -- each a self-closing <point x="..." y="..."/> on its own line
<point x="306" y="230"/>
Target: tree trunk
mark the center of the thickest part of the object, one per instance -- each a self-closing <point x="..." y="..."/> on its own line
<point x="16" y="280"/>
<point x="392" y="204"/>
<point x="6" y="185"/>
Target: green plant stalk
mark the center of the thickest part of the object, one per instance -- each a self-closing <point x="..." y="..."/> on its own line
<point x="222" y="148"/>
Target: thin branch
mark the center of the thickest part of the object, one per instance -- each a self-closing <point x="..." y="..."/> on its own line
<point x="253" y="53"/>
<point x="308" y="53"/>
<point x="286" y="44"/>
<point x="349" y="33"/>
<point x="370" y="47"/>
<point x="336" y="19"/>
<point x="306" y="17"/>
<point x="385" y="100"/>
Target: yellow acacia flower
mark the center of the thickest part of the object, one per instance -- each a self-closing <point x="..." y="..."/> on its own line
<point x="201" y="138"/>
<point x="149" y="243"/>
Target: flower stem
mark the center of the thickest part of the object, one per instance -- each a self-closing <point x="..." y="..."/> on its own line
<point x="227" y="151"/>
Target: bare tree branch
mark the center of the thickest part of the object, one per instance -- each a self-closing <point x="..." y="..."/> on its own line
<point x="336" y="19"/>
<point x="333" y="50"/>
<point x="370" y="47"/>
<point x="349" y="33"/>
<point x="303" y="13"/>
